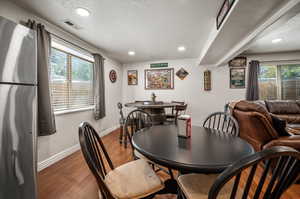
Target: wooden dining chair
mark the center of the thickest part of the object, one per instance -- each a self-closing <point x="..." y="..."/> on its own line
<point x="222" y="122"/>
<point x="135" y="179"/>
<point x="138" y="120"/>
<point x="268" y="173"/>
<point x="176" y="111"/>
<point x="121" y="122"/>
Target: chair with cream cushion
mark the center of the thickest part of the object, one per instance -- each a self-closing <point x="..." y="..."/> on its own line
<point x="132" y="180"/>
<point x="276" y="169"/>
<point x="197" y="186"/>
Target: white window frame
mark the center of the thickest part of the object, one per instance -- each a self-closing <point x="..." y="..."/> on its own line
<point x="71" y="52"/>
<point x="278" y="76"/>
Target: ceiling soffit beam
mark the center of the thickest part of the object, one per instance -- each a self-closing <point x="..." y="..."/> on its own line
<point x="229" y="42"/>
<point x="258" y="32"/>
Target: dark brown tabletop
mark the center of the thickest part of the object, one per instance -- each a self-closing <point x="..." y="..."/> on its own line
<point x="150" y="105"/>
<point x="205" y="152"/>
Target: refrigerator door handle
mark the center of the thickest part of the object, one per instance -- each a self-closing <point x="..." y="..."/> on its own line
<point x="16" y="168"/>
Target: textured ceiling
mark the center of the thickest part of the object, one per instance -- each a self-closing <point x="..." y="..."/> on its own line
<point x="152" y="28"/>
<point x="289" y="33"/>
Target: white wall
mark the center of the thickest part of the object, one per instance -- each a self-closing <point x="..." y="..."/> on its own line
<point x="200" y="103"/>
<point x="66" y="138"/>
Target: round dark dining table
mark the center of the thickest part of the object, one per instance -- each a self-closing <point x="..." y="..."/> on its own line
<point x="155" y="109"/>
<point x="151" y="105"/>
<point x="206" y="151"/>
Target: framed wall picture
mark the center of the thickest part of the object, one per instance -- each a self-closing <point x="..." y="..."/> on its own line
<point x="182" y="73"/>
<point x="132" y="76"/>
<point x="222" y="13"/>
<point x="224" y="10"/>
<point x="231" y="2"/>
<point x="237" y="78"/>
<point x="207" y="80"/>
<point x="238" y="62"/>
<point x="159" y="79"/>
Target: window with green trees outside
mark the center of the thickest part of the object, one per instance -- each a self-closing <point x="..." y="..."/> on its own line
<point x="279" y="82"/>
<point x="71" y="81"/>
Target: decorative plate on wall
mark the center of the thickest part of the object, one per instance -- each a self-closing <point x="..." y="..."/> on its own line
<point x="113" y="76"/>
<point x="182" y="73"/>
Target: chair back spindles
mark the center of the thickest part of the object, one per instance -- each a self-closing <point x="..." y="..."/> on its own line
<point x="222" y="122"/>
<point x="235" y="186"/>
<point x="96" y="156"/>
<point x="136" y="121"/>
<point x="249" y="181"/>
<point x="262" y="179"/>
<point x="174" y="107"/>
<point x="280" y="169"/>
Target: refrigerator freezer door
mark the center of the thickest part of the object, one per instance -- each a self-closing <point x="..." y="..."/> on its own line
<point x="17" y="54"/>
<point x="17" y="142"/>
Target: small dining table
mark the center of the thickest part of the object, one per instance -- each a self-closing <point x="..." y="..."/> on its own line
<point x="155" y="109"/>
<point x="206" y="151"/>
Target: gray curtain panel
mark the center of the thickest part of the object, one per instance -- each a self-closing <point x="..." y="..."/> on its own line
<point x="46" y="119"/>
<point x="99" y="87"/>
<point x="252" y="92"/>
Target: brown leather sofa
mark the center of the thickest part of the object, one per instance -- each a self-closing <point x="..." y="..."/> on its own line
<point x="288" y="110"/>
<point x="256" y="127"/>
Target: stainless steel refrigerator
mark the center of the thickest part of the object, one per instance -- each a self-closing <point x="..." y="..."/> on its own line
<point x="18" y="111"/>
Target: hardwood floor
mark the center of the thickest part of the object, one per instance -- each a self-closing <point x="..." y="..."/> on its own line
<point x="70" y="178"/>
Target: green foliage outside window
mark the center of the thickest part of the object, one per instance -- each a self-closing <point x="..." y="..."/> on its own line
<point x="58" y="61"/>
<point x="290" y="71"/>
<point x="279" y="82"/>
<point x="71" y="81"/>
<point x="81" y="70"/>
<point x="267" y="72"/>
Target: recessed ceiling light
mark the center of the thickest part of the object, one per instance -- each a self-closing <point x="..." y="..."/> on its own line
<point x="83" y="12"/>
<point x="181" y="48"/>
<point x="131" y="53"/>
<point x="274" y="41"/>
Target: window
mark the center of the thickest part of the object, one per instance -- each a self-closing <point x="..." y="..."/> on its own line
<point x="268" y="82"/>
<point x="279" y="82"/>
<point x="71" y="81"/>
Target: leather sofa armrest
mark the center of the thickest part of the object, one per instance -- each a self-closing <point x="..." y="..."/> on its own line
<point x="290" y="141"/>
<point x="269" y="127"/>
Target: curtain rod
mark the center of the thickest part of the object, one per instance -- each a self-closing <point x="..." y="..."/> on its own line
<point x="77" y="46"/>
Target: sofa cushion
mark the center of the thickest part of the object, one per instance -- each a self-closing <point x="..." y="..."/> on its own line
<point x="261" y="103"/>
<point x="289" y="118"/>
<point x="283" y="107"/>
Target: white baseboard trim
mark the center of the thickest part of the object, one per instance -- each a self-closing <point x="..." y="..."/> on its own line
<point x="109" y="130"/>
<point x="61" y="155"/>
<point x="57" y="157"/>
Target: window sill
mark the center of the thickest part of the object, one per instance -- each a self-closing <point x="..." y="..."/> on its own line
<point x="73" y="111"/>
